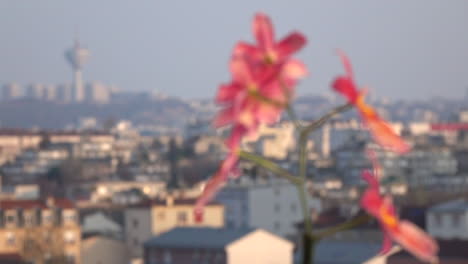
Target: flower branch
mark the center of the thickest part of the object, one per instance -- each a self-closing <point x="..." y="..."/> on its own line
<point x="271" y="166"/>
<point x="356" y="221"/>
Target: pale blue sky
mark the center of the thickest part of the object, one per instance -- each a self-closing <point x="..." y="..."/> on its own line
<point x="400" y="48"/>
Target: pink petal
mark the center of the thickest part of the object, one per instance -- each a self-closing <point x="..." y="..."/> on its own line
<point x="345" y="84"/>
<point x="371" y="200"/>
<point x="234" y="140"/>
<point x="290" y="44"/>
<point x="346" y="63"/>
<point x="225" y="117"/>
<point x="346" y="87"/>
<point x="214" y="184"/>
<point x="383" y="133"/>
<point x="263" y="31"/>
<point x="387" y="243"/>
<point x="371" y="179"/>
<point x="375" y="163"/>
<point x="228" y="92"/>
<point x="267" y="113"/>
<point x="416" y="241"/>
<point x="241" y="70"/>
<point x="243" y="49"/>
<point x="294" y="69"/>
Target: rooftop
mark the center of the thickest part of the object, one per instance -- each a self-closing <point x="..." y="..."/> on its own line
<point x="30" y="204"/>
<point x="451" y="206"/>
<point x="174" y="202"/>
<point x="190" y="237"/>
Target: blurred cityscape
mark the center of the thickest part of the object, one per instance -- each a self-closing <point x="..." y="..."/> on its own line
<point x="91" y="174"/>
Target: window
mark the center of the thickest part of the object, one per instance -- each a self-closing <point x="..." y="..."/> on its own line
<point x="69" y="237"/>
<point x="153" y="257"/>
<point x="47" y="237"/>
<point x="161" y="215"/>
<point x="277" y="226"/>
<point x="206" y="257"/>
<point x="10" y="219"/>
<point x="218" y="258"/>
<point x="293" y="207"/>
<point x="10" y="239"/>
<point x="70" y="259"/>
<point x="29" y="220"/>
<point x="456" y="219"/>
<point x="69" y="217"/>
<point x="277" y="191"/>
<point x="277" y="208"/>
<point x="195" y="256"/>
<point x="135" y="223"/>
<point x="181" y="218"/>
<point x="438" y="219"/>
<point x="167" y="257"/>
<point x="47" y="218"/>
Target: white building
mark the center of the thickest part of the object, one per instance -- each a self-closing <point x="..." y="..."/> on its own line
<point x="273" y="141"/>
<point x="96" y="92"/>
<point x="11" y="91"/>
<point x="448" y="220"/>
<point x="105" y="190"/>
<point x="272" y="205"/>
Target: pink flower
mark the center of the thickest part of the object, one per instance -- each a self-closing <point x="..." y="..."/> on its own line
<point x="405" y="233"/>
<point x="381" y="131"/>
<point x="266" y="52"/>
<point x="263" y="80"/>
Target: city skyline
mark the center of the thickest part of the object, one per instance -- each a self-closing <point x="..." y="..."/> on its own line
<point x="400" y="49"/>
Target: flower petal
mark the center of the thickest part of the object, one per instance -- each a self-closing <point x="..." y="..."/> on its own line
<point x="294" y="69"/>
<point x="346" y="87"/>
<point x="263" y="31"/>
<point x="387" y="243"/>
<point x="244" y="49"/>
<point x="290" y="44"/>
<point x="241" y="70"/>
<point x="225" y="117"/>
<point x="347" y="64"/>
<point x="214" y="184"/>
<point x="228" y="92"/>
<point x="345" y="84"/>
<point x="383" y="133"/>
<point x="416" y="241"/>
<point x="234" y="140"/>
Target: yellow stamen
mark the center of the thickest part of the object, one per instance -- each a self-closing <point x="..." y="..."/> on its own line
<point x="387" y="218"/>
<point x="270" y="58"/>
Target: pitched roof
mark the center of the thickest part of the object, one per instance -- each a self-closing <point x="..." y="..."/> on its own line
<point x="459" y="205"/>
<point x="99" y="223"/>
<point x="30" y="204"/>
<point x="345" y="252"/>
<point x="197" y="237"/>
<point x="176" y="202"/>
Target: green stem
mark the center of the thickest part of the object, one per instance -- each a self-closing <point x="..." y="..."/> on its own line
<point x="308" y="245"/>
<point x="356" y="221"/>
<point x="292" y="115"/>
<point x="305" y="208"/>
<point x="271" y="166"/>
<point x="309" y="240"/>
<point x="321" y="121"/>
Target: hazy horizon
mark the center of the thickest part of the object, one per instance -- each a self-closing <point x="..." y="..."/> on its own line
<point x="399" y="49"/>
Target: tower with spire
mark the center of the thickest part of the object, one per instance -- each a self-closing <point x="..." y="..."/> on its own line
<point x="77" y="57"/>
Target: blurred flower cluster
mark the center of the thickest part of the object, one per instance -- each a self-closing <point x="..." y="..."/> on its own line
<point x="264" y="76"/>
